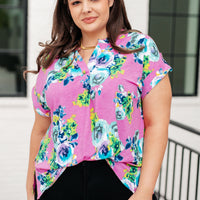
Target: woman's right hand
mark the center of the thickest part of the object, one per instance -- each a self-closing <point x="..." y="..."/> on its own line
<point x="40" y="127"/>
<point x="30" y="196"/>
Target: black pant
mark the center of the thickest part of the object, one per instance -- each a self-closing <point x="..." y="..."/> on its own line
<point x="89" y="180"/>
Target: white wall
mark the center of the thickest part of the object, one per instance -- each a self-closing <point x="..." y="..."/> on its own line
<point x="17" y="117"/>
<point x="138" y="13"/>
<point x="16" y="114"/>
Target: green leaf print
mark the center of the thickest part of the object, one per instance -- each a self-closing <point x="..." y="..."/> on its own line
<point x="48" y="179"/>
<point x="132" y="174"/>
<point x="124" y="103"/>
<point x="83" y="99"/>
<point x="146" y="66"/>
<point x="51" y="162"/>
<point x="72" y="125"/>
<point x="115" y="144"/>
<point x="115" y="70"/>
<point x="41" y="156"/>
<point x="94" y="118"/>
<point x="127" y="103"/>
<point x="105" y="138"/>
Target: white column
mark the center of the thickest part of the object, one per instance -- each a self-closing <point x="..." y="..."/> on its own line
<point x="138" y="14"/>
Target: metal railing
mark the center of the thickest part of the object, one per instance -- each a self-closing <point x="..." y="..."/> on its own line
<point x="180" y="173"/>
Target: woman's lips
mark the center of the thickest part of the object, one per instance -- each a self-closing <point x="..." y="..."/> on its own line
<point x="89" y="20"/>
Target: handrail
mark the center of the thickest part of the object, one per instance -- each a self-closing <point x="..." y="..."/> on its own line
<point x="185" y="127"/>
<point x="184" y="146"/>
<point x="184" y="156"/>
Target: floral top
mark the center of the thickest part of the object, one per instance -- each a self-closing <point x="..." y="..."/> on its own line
<point x="96" y="109"/>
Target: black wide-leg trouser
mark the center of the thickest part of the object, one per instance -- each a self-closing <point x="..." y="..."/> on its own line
<point x="88" y="180"/>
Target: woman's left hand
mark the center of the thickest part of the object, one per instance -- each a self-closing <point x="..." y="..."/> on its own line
<point x="140" y="196"/>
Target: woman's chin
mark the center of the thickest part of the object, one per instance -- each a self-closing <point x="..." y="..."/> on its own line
<point x="93" y="30"/>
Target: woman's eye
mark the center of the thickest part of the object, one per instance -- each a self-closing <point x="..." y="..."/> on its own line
<point x="75" y="3"/>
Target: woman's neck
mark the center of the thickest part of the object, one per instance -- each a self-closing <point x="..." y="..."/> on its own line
<point x="92" y="39"/>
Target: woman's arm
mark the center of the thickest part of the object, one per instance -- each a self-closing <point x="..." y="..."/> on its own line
<point x="40" y="127"/>
<point x="156" y="110"/>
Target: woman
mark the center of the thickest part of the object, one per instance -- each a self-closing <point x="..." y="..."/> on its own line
<point x="94" y="96"/>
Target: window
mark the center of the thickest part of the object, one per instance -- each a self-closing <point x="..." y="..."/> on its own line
<point x="174" y="25"/>
<point x="13" y="14"/>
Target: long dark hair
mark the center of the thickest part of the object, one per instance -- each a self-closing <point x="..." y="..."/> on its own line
<point x="66" y="36"/>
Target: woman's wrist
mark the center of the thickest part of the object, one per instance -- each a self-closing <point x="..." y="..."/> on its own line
<point x="30" y="190"/>
<point x="145" y="190"/>
<point x="141" y="195"/>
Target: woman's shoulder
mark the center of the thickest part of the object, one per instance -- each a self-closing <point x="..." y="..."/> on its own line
<point x="56" y="70"/>
<point x="44" y="71"/>
<point x="134" y="39"/>
<point x="57" y="64"/>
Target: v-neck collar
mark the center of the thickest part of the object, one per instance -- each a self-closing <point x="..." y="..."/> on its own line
<point x="102" y="44"/>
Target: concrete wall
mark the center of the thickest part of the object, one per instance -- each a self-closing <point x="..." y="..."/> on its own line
<point x="17" y="117"/>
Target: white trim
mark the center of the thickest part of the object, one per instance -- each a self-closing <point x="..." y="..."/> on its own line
<point x="188" y="101"/>
<point x="15" y="101"/>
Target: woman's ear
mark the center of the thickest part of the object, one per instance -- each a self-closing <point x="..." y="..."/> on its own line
<point x="111" y="2"/>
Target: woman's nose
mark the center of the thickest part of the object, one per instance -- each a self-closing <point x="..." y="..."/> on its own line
<point x="87" y="7"/>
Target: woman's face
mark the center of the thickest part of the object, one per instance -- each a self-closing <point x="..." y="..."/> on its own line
<point x="91" y="16"/>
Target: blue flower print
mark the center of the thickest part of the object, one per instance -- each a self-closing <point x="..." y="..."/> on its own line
<point x="94" y="54"/>
<point x="105" y="138"/>
<point x="98" y="76"/>
<point x="86" y="83"/>
<point x="63" y="62"/>
<point x="64" y="138"/>
<point x="150" y="50"/>
<point x="104" y="151"/>
<point x="101" y="59"/>
<point x="55" y="134"/>
<point x="99" y="134"/>
<point x="135" y="41"/>
<point x="154" y="53"/>
<point x="99" y="138"/>
<point x="46" y="179"/>
<point x="159" y="75"/>
<point x="65" y="153"/>
<point x="64" y="71"/>
<point x="129" y="184"/>
<point x="41" y="98"/>
<point x="135" y="144"/>
<point x="123" y="104"/>
<point x="120" y="113"/>
<point x="131" y="177"/>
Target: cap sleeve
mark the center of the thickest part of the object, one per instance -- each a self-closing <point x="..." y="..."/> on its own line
<point x="155" y="68"/>
<point x="39" y="95"/>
